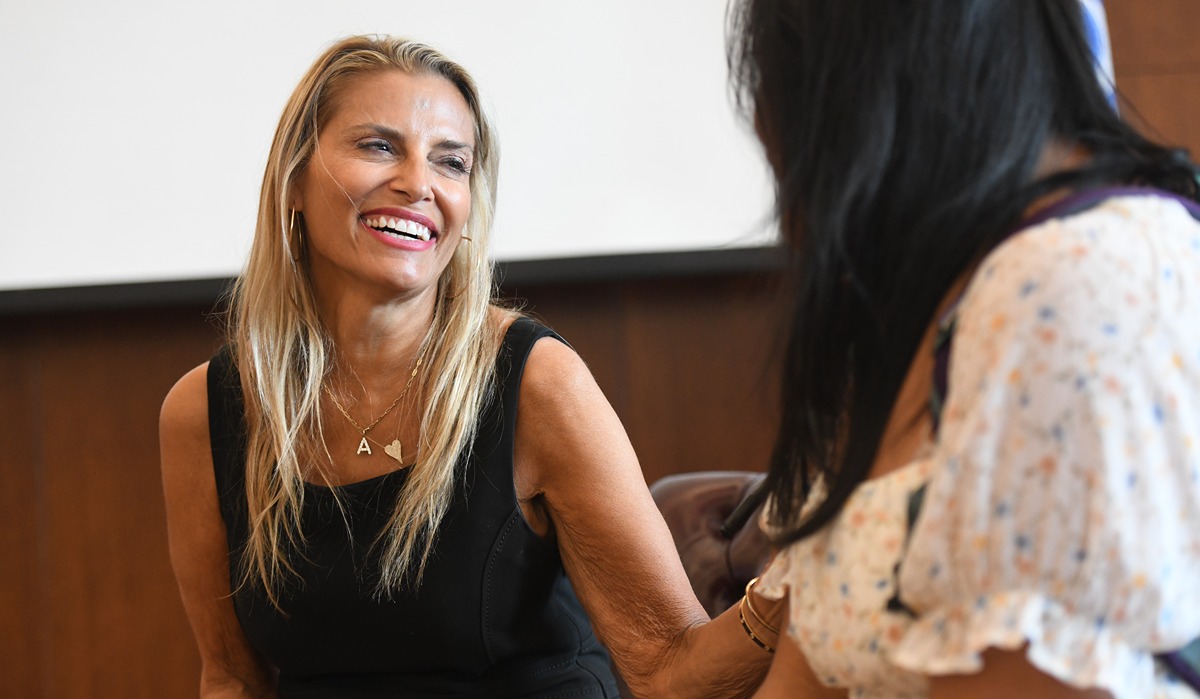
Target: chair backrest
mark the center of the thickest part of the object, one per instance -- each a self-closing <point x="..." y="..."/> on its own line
<point x="695" y="506"/>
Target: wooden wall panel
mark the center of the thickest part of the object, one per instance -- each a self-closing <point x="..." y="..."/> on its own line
<point x="1157" y="64"/>
<point x="699" y="356"/>
<point x="106" y="609"/>
<point x="683" y="361"/>
<point x="108" y="565"/>
<point x="1166" y="107"/>
<point x="591" y="318"/>
<point x="24" y="643"/>
<point x="1154" y="36"/>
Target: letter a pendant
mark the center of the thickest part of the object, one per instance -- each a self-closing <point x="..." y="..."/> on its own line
<point x="363" y="446"/>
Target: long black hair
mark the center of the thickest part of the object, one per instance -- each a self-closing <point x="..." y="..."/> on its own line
<point x="904" y="137"/>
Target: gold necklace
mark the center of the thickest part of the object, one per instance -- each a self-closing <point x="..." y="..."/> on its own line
<point x="395" y="449"/>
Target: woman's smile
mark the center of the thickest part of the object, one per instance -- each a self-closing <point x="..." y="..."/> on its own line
<point x="402" y="229"/>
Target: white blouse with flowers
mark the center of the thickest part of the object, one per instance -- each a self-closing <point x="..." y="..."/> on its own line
<point x="1062" y="496"/>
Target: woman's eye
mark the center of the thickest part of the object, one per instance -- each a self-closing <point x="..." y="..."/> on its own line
<point x="376" y="145"/>
<point x="457" y="164"/>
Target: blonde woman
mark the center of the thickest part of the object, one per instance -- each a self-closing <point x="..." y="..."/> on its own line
<point x="387" y="486"/>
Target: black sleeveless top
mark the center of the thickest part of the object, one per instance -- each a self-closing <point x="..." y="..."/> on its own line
<point x="494" y="615"/>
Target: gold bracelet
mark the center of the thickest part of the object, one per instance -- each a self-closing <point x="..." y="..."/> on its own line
<point x="746" y="627"/>
<point x="753" y="612"/>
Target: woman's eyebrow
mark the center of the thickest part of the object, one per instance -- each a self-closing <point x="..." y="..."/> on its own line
<point x="380" y="130"/>
<point x="451" y="144"/>
<point x="393" y="134"/>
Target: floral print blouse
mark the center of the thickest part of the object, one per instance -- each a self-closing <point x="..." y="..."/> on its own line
<point x="1061" y="503"/>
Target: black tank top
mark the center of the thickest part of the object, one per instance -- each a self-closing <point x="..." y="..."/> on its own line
<point x="494" y="615"/>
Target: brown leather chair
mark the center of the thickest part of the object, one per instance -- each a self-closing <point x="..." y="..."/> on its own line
<point x="696" y="506"/>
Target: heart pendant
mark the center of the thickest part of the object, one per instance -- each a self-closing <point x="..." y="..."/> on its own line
<point x="395" y="451"/>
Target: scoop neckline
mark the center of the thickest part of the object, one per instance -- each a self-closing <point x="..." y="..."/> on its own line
<point x="357" y="485"/>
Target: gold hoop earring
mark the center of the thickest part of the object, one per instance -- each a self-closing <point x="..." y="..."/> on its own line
<point x="296" y="234"/>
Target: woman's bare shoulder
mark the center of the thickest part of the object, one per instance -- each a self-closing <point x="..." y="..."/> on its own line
<point x="185" y="408"/>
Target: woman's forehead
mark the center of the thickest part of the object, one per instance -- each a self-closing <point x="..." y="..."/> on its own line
<point x="403" y="100"/>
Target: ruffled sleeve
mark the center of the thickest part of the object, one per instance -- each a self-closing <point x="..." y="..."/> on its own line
<point x="785" y="568"/>
<point x="1064" y="506"/>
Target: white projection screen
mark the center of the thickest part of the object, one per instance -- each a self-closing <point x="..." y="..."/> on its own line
<point x="135" y="132"/>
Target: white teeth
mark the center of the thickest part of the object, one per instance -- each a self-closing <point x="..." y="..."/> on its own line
<point x="401" y="226"/>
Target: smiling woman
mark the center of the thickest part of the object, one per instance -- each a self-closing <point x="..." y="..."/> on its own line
<point x="387" y="486"/>
<point x="389" y="192"/>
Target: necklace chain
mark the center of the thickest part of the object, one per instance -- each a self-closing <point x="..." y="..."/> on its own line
<point x="364" y="430"/>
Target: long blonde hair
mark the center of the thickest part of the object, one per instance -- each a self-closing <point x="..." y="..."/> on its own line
<point x="284" y="353"/>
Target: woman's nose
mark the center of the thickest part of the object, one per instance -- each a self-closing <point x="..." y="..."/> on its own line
<point x="412" y="178"/>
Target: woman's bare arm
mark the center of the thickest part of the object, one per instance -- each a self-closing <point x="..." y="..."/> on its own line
<point x="199" y="554"/>
<point x="1007" y="673"/>
<point x="790" y="677"/>
<point x="574" y="458"/>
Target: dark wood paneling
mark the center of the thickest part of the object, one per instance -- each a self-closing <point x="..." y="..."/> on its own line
<point x="106" y="609"/>
<point x="699" y="353"/>
<point x="1154" y="36"/>
<point x="1166" y="107"/>
<point x="1157" y="63"/>
<point x="24" y="642"/>
<point x="108" y="567"/>
<point x="684" y="363"/>
<point x="591" y="317"/>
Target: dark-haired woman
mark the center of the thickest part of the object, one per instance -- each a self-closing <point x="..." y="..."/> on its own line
<point x="987" y="480"/>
